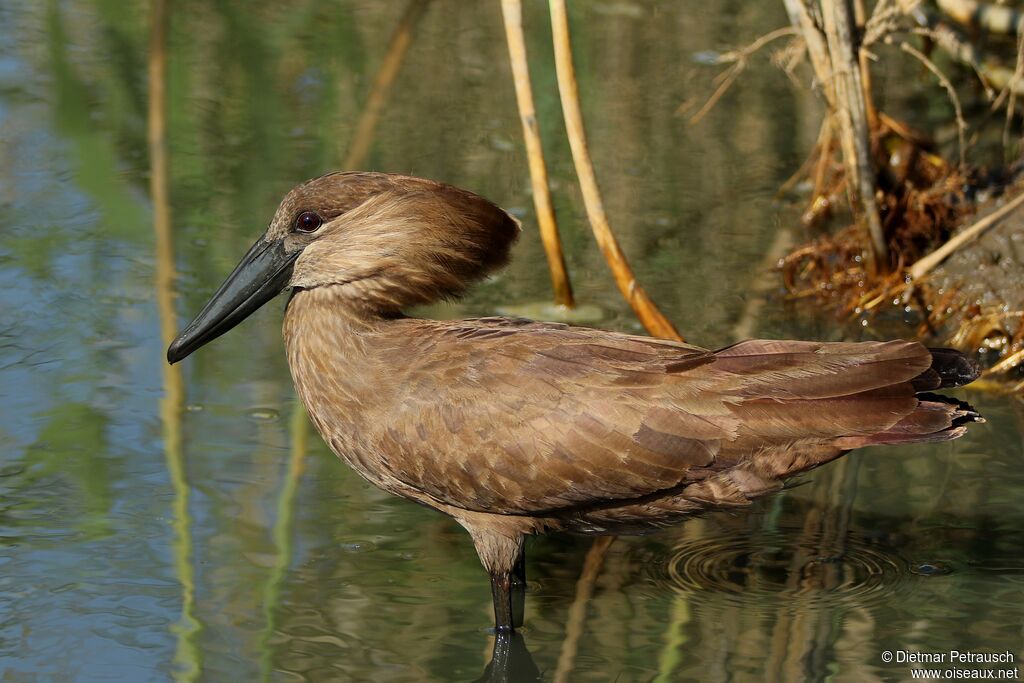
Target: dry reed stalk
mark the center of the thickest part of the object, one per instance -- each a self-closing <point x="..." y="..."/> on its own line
<point x="738" y="59"/>
<point x="1007" y="364"/>
<point x="925" y="265"/>
<point x="991" y="76"/>
<point x="851" y="111"/>
<point x="838" y="71"/>
<point x="860" y="17"/>
<point x="824" y="160"/>
<point x="1011" y="104"/>
<point x="401" y="39"/>
<point x="817" y="49"/>
<point x="652" y="319"/>
<point x="512" y="13"/>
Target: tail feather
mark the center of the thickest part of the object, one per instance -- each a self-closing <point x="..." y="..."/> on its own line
<point x="799" y="405"/>
<point x="936" y="418"/>
<point x="891" y="439"/>
<point x="897" y="410"/>
<point x="950" y="368"/>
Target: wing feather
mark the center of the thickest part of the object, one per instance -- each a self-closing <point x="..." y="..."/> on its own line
<point x="525" y="417"/>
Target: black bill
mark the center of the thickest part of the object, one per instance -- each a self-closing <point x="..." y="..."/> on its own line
<point x="260" y="276"/>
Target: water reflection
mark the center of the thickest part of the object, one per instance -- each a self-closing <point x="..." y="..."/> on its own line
<point x="770" y="570"/>
<point x="283" y="534"/>
<point x="363" y="134"/>
<point x="511" y="661"/>
<point x="127" y="521"/>
<point x="187" y="655"/>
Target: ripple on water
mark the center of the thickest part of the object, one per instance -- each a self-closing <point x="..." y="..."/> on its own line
<point x="784" y="568"/>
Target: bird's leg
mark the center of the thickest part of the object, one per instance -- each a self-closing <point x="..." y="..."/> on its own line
<point x="499" y="544"/>
<point x="501" y="593"/>
<point x="519" y="589"/>
<point x="508" y="590"/>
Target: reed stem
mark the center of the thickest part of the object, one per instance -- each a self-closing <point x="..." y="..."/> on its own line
<point x="512" y="13"/>
<point x="851" y="111"/>
<point x="925" y="265"/>
<point x="650" y="316"/>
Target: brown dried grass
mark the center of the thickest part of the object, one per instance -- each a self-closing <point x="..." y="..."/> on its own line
<point x="922" y="202"/>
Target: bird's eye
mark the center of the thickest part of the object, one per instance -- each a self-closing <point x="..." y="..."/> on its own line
<point x="308" y="221"/>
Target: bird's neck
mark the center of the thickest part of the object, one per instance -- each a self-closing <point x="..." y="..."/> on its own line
<point x="328" y="338"/>
<point x="340" y="373"/>
<point x="329" y="311"/>
<point x="338" y="351"/>
<point x="349" y="366"/>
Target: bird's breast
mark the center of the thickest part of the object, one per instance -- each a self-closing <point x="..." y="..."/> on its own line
<point x="348" y="396"/>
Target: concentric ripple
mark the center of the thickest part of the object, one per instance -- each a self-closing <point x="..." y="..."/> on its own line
<point x="767" y="568"/>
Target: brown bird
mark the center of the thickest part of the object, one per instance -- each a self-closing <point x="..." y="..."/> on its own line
<point x="515" y="427"/>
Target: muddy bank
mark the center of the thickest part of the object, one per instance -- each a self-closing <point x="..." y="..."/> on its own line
<point x="973" y="300"/>
<point x="976" y="297"/>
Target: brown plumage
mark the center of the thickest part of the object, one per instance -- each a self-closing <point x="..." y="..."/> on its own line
<point x="515" y="427"/>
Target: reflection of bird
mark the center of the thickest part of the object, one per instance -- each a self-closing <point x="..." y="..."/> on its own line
<point x="511" y="661"/>
<point x="515" y="427"/>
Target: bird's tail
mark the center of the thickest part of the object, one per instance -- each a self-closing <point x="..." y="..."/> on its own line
<point x="950" y="368"/>
<point x="937" y="417"/>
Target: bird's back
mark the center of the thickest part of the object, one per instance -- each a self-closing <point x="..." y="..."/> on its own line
<point x="596" y="431"/>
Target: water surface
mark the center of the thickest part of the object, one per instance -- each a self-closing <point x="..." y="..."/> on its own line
<point x="190" y="526"/>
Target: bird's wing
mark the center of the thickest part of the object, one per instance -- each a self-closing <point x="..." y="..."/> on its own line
<point x="515" y="417"/>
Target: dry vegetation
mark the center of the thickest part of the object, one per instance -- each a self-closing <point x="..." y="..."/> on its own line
<point x="914" y="202"/>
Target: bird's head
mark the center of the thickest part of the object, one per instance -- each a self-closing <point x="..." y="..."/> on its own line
<point x="386" y="242"/>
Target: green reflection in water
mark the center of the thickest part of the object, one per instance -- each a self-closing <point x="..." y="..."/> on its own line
<point x="675" y="639"/>
<point x="254" y="578"/>
<point x="283" y="530"/>
<point x="71" y="434"/>
<point x="187" y="656"/>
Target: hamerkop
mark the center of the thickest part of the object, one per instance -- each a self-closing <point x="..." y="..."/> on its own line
<point x="515" y="427"/>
